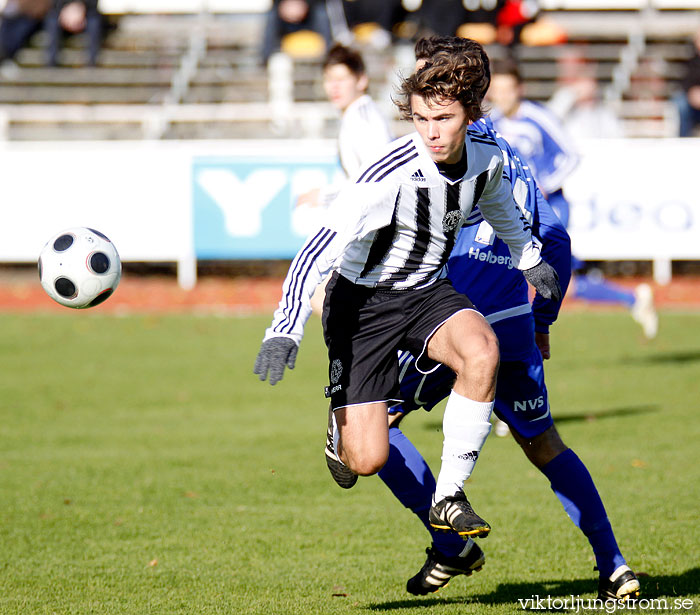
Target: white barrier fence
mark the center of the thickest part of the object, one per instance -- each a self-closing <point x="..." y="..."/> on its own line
<point x="184" y="201"/>
<point x="636" y="199"/>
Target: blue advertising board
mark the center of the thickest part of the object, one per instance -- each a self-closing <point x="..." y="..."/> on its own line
<point x="244" y="207"/>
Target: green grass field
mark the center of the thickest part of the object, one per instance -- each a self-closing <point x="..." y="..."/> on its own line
<point x="145" y="469"/>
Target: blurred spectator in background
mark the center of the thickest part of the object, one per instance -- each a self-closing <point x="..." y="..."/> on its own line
<point x="583" y="112"/>
<point x="486" y="21"/>
<point x="512" y="18"/>
<point x="578" y="103"/>
<point x="536" y="133"/>
<point x="295" y="18"/>
<point x="73" y="17"/>
<point x="444" y="17"/>
<point x="688" y="100"/>
<point x="372" y="22"/>
<point x="19" y="21"/>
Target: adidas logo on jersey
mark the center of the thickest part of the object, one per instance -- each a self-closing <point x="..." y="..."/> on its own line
<point x="418" y="176"/>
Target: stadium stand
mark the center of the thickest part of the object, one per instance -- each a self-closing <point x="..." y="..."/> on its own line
<point x="185" y="69"/>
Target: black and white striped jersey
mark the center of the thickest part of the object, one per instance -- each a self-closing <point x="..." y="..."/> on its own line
<point x="394" y="227"/>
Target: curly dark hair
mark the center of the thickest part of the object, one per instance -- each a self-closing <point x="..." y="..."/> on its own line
<point x="428" y="46"/>
<point x="462" y="76"/>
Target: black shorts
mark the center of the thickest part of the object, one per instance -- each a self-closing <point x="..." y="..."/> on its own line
<point x="364" y="328"/>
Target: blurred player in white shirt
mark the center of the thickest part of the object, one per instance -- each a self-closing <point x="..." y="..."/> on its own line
<point x="363" y="128"/>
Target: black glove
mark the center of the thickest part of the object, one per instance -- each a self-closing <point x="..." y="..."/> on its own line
<point x="274" y="354"/>
<point x="545" y="280"/>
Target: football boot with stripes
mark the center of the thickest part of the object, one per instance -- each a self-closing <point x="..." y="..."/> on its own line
<point x="439" y="569"/>
<point x="620" y="585"/>
<point x="455" y="514"/>
<point x="342" y="475"/>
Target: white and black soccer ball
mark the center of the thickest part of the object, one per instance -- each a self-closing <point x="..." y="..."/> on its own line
<point x="79" y="267"/>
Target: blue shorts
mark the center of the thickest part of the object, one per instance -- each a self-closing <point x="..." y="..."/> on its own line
<point x="521" y="394"/>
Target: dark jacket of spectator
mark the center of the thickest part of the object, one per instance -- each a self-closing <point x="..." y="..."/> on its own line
<point x="19" y="21"/>
<point x="73" y="17"/>
<point x="687" y="101"/>
<point x="289" y="16"/>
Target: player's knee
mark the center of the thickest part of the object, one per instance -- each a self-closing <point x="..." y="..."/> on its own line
<point x="367" y="458"/>
<point x="480" y="356"/>
<point x="367" y="466"/>
<point x="491" y="351"/>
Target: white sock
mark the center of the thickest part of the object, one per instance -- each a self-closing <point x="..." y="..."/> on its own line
<point x="465" y="427"/>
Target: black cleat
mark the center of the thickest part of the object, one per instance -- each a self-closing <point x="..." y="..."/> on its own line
<point x="455" y="514"/>
<point x="439" y="569"/>
<point x="620" y="585"/>
<point x="341" y="474"/>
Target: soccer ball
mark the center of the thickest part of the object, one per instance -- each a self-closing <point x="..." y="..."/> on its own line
<point x="79" y="267"/>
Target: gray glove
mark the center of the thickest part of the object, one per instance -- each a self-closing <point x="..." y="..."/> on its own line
<point x="274" y="354"/>
<point x="545" y="280"/>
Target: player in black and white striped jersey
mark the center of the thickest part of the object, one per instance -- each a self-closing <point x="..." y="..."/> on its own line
<point x="389" y="235"/>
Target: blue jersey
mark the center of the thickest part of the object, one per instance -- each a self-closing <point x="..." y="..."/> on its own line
<point x="538" y="136"/>
<point x="480" y="265"/>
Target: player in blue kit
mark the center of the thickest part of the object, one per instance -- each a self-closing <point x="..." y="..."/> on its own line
<point x="538" y="136"/>
<point x="480" y="267"/>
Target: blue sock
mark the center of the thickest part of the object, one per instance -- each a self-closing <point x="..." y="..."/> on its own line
<point x="408" y="476"/>
<point x="596" y="288"/>
<point x="573" y="485"/>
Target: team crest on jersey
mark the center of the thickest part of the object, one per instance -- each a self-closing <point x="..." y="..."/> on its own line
<point x="451" y="221"/>
<point x="336" y="371"/>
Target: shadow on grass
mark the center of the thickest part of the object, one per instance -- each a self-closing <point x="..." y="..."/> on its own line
<point x="610" y="413"/>
<point x="688" y="356"/>
<point x="607" y="414"/>
<point x="653" y="586"/>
